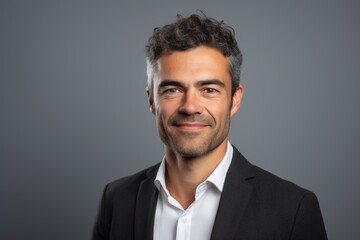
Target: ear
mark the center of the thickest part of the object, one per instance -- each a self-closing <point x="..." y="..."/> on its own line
<point x="150" y="100"/>
<point x="237" y="99"/>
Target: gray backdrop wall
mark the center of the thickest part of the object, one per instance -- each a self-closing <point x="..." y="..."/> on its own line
<point x="74" y="113"/>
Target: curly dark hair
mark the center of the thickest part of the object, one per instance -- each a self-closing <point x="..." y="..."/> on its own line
<point x="190" y="32"/>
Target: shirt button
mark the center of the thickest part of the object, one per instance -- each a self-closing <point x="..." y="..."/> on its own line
<point x="184" y="220"/>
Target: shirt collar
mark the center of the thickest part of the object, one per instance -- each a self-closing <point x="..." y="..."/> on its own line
<point x="217" y="177"/>
<point x="160" y="177"/>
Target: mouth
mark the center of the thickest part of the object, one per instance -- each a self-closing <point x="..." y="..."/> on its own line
<point x="190" y="126"/>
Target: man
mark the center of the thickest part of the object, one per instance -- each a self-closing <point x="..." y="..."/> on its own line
<point x="203" y="188"/>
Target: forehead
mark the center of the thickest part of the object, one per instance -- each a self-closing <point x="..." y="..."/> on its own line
<point x="195" y="64"/>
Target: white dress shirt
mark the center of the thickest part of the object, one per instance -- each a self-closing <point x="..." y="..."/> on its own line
<point x="172" y="221"/>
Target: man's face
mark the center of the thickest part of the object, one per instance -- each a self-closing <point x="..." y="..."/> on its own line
<point x="191" y="100"/>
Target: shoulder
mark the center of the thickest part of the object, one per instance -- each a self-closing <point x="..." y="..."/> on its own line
<point x="273" y="186"/>
<point x="267" y="185"/>
<point x="281" y="208"/>
<point x="288" y="204"/>
<point x="129" y="185"/>
<point x="118" y="203"/>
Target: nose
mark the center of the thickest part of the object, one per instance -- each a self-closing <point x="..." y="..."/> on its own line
<point x="191" y="104"/>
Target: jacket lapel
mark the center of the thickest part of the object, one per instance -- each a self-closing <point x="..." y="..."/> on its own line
<point x="234" y="198"/>
<point x="145" y="207"/>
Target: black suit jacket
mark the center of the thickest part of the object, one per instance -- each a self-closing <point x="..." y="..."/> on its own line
<point x="254" y="204"/>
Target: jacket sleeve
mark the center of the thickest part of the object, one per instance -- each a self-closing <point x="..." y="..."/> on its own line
<point x="100" y="229"/>
<point x="309" y="224"/>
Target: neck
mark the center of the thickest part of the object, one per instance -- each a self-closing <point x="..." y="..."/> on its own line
<point x="184" y="175"/>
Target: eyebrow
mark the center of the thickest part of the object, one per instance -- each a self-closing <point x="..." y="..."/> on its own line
<point x="210" y="82"/>
<point x="169" y="83"/>
<point x="197" y="84"/>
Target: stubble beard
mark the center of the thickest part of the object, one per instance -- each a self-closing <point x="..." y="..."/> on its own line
<point x="191" y="145"/>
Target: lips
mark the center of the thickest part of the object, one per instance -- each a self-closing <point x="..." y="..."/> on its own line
<point x="191" y="125"/>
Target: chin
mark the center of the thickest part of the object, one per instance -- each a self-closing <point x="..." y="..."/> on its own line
<point x="190" y="150"/>
<point x="191" y="154"/>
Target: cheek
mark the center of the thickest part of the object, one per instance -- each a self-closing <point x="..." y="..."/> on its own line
<point x="167" y="106"/>
<point x="165" y="110"/>
<point x="219" y="110"/>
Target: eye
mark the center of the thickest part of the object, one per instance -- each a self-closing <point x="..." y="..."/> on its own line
<point x="171" y="90"/>
<point x="210" y="90"/>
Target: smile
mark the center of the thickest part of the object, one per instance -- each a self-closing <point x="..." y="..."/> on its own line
<point x="191" y="126"/>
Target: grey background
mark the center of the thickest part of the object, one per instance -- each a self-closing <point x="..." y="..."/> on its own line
<point x="74" y="113"/>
